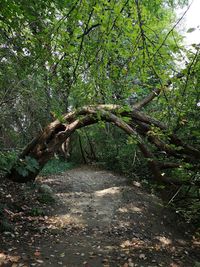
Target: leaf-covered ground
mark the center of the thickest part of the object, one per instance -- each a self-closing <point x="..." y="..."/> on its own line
<point x="90" y="218"/>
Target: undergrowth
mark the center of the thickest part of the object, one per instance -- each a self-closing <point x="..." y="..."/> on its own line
<point x="56" y="166"/>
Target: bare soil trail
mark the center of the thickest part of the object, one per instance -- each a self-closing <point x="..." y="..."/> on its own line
<point x="97" y="220"/>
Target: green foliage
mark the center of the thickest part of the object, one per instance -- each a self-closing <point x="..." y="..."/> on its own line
<point x="5" y="226"/>
<point x="26" y="165"/>
<point x="35" y="211"/>
<point x="42" y="193"/>
<point x="59" y="55"/>
<point x="56" y="166"/>
<point x="110" y="148"/>
<point x="189" y="210"/>
<point x="7" y="159"/>
<point x="46" y="198"/>
<point x="62" y="53"/>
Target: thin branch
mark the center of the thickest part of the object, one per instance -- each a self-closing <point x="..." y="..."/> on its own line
<point x="115" y="20"/>
<point x="81" y="45"/>
<point x="89" y="30"/>
<point x="194" y="61"/>
<point x="171" y="30"/>
<point x="67" y="15"/>
<point x="141" y="29"/>
<point x="146" y="100"/>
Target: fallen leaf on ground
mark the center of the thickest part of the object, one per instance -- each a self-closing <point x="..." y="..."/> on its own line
<point x="37" y="253"/>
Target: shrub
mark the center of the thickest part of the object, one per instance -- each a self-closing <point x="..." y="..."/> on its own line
<point x="55" y="166"/>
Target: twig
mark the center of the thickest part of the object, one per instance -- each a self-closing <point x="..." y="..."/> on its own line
<point x="174" y="195"/>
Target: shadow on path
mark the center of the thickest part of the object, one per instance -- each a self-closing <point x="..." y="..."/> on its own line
<point x="98" y="220"/>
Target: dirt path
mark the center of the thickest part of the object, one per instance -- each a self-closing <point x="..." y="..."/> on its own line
<point x="97" y="220"/>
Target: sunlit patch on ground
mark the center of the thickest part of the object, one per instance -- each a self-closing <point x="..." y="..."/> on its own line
<point x="110" y="191"/>
<point x="96" y="221"/>
<point x="164" y="240"/>
<point x="9" y="259"/>
<point x="134" y="243"/>
<point x="64" y="221"/>
<point x="130" y="208"/>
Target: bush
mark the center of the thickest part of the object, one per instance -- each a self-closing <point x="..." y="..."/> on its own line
<point x="46" y="198"/>
<point x="6" y="160"/>
<point x="56" y="166"/>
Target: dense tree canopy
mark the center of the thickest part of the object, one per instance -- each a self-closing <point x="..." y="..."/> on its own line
<point x="57" y="54"/>
<point x="124" y="60"/>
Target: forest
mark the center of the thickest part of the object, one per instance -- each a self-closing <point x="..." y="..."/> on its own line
<point x="108" y="84"/>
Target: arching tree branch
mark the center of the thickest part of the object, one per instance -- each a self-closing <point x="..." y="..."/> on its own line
<point x="42" y="148"/>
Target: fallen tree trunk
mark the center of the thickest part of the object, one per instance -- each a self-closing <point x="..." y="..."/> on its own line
<point x="42" y="148"/>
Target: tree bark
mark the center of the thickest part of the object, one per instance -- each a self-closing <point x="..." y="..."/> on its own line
<point x="42" y="148"/>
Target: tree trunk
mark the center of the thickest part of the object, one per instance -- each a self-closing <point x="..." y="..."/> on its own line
<point x="64" y="150"/>
<point x="42" y="148"/>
